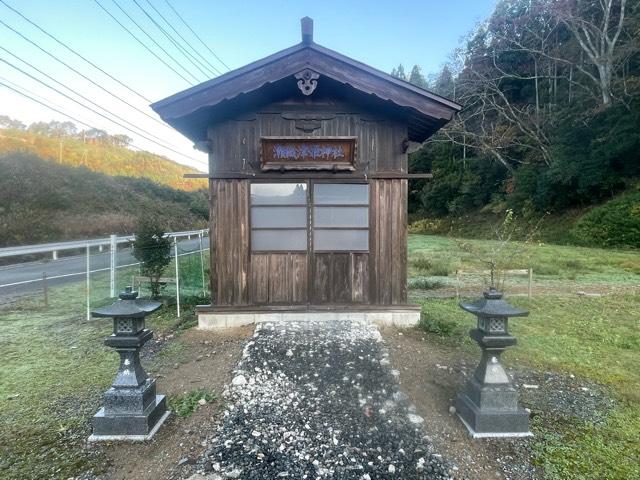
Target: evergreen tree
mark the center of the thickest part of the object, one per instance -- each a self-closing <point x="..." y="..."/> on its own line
<point x="8" y="122"/>
<point x="398" y="72"/>
<point x="417" y="78"/>
<point x="152" y="248"/>
<point x="542" y="127"/>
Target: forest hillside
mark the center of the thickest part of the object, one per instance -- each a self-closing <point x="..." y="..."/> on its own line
<point x="42" y="201"/>
<point x="63" y="143"/>
<point x="550" y="125"/>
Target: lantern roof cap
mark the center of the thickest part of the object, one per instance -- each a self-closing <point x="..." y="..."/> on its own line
<point x="127" y="306"/>
<point x="493" y="305"/>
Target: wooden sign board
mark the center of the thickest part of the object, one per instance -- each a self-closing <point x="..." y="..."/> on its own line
<point x="308" y="153"/>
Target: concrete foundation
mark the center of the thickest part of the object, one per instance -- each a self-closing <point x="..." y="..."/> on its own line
<point x="397" y="317"/>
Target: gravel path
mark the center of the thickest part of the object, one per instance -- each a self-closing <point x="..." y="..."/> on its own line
<point x="319" y="400"/>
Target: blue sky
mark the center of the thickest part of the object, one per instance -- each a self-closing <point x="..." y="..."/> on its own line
<point x="380" y="33"/>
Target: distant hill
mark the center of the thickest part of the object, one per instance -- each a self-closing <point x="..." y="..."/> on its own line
<point x="99" y="156"/>
<point x="41" y="201"/>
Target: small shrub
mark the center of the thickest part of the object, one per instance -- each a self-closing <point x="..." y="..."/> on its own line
<point x="428" y="226"/>
<point x="440" y="326"/>
<point x="572" y="264"/>
<point x="152" y="248"/>
<point x="612" y="224"/>
<point x="421" y="262"/>
<point x="431" y="267"/>
<point x="545" y="269"/>
<point x="632" y="266"/>
<point x="422" y="283"/>
<point x="187" y="403"/>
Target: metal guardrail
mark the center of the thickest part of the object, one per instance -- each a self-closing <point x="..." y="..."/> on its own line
<point x="112" y="242"/>
<point x="95" y="242"/>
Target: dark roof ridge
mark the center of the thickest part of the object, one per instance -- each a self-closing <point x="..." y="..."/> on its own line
<point x="290" y="51"/>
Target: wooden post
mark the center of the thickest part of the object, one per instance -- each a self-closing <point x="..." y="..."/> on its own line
<point x="45" y="289"/>
<point x="530" y="282"/>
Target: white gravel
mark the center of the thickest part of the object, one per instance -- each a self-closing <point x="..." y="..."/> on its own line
<point x="319" y="400"/>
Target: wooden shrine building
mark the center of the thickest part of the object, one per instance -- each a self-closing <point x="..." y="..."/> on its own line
<point x="308" y="183"/>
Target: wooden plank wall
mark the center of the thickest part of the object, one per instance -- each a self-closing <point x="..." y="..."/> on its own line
<point x="278" y="278"/>
<point x="340" y="278"/>
<point x="239" y="278"/>
<point x="236" y="143"/>
<point x="388" y="241"/>
<point x="229" y="215"/>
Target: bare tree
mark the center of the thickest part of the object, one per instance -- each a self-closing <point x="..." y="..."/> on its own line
<point x="493" y="123"/>
<point x="596" y="26"/>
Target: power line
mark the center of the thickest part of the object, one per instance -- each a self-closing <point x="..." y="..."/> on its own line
<point x="143" y="44"/>
<point x="79" y="73"/>
<point x="72" y="91"/>
<point x="42" y="99"/>
<point x="193" y="60"/>
<point x="184" y="39"/>
<point x="95" y="111"/>
<point x="154" y="41"/>
<point x="75" y="52"/>
<point x="196" y="35"/>
<point x="57" y="110"/>
<point x="47" y="103"/>
<point x="44" y="104"/>
<point x="47" y="106"/>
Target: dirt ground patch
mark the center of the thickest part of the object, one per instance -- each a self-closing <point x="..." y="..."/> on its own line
<point x="431" y="375"/>
<point x="202" y="360"/>
<point x="431" y="372"/>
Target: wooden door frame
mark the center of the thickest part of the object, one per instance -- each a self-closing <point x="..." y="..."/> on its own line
<point x="311" y="254"/>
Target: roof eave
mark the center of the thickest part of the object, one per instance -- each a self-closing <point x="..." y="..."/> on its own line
<point x="161" y="106"/>
<point x="225" y="77"/>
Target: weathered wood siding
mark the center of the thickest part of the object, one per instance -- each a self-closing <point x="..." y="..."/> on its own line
<point x="239" y="277"/>
<point x="340" y="278"/>
<point x="230" y="246"/>
<point x="235" y="144"/>
<point x="279" y="278"/>
<point x="388" y="241"/>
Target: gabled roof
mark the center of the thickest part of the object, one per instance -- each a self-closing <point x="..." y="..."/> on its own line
<point x="193" y="110"/>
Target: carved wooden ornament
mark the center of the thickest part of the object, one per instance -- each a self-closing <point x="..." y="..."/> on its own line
<point x="307" y="81"/>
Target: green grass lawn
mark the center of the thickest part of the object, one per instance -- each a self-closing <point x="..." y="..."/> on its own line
<point x="596" y="338"/>
<point x="553" y="265"/>
<point x="54" y="370"/>
<point x="54" y="367"/>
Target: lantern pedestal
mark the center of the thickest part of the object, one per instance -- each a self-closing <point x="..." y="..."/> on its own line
<point x="488" y="406"/>
<point x="132" y="426"/>
<point x="132" y="410"/>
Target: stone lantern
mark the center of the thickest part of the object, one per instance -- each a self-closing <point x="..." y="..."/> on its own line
<point x="489" y="404"/>
<point x="132" y="410"/>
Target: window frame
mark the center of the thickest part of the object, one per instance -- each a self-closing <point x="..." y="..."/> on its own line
<point x="314" y="205"/>
<point x="305" y="205"/>
<point x="310" y="205"/>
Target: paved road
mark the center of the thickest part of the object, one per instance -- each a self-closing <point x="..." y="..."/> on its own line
<point x="73" y="268"/>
